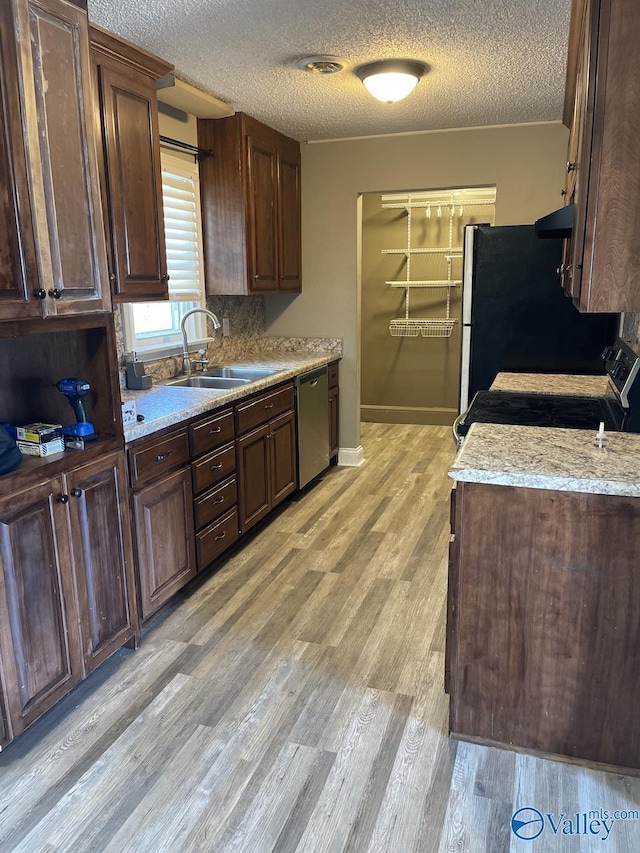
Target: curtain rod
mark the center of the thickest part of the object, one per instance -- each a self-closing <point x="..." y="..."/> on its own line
<point x="185" y="146"/>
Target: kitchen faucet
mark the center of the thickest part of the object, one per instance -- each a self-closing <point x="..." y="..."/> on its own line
<point x="186" y="364"/>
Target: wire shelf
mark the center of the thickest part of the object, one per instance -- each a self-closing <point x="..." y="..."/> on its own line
<point x="411" y="328"/>
<point x="433" y="284"/>
<point x="448" y="250"/>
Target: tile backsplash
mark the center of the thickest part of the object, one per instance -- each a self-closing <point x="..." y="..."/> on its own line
<point x="247" y="325"/>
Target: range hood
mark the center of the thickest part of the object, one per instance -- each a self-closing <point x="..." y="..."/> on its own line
<point x="557" y="224"/>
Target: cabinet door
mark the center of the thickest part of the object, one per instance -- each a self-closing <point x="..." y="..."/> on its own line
<point x="102" y="557"/>
<point x="38" y="619"/>
<point x="334" y="423"/>
<point x="131" y="144"/>
<point x="60" y="140"/>
<point x="262" y="226"/>
<point x="164" y="539"/>
<point x="579" y="151"/>
<point x="289" y="251"/>
<point x="18" y="269"/>
<point x="283" y="457"/>
<point x="254" y="488"/>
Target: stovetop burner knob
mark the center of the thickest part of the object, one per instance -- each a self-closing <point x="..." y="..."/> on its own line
<point x="620" y="371"/>
<point x="608" y="353"/>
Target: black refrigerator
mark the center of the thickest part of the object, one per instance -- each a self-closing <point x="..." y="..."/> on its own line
<point x="515" y="316"/>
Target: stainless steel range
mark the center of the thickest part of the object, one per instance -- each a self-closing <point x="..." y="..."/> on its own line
<point x="619" y="408"/>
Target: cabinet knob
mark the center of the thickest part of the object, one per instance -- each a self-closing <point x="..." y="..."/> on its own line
<point x="40" y="293"/>
<point x="571" y="166"/>
<point x="63" y="499"/>
<point x="55" y="293"/>
<point x="77" y="493"/>
<point x="112" y="278"/>
<point x="562" y="269"/>
<point x="563" y="193"/>
<point x="165" y="278"/>
<point x="161" y="456"/>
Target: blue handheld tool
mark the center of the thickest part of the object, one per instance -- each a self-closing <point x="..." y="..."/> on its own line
<point x="75" y="390"/>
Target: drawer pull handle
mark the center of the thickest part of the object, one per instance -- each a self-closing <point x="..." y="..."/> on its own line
<point x="215" y="430"/>
<point x="268" y="405"/>
<point x="219" y="537"/>
<point x="219" y="500"/>
<point x="161" y="456"/>
<point x="217" y="466"/>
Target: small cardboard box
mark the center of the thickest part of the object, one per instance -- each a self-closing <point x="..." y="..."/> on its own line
<point x="38" y="433"/>
<point x="29" y="448"/>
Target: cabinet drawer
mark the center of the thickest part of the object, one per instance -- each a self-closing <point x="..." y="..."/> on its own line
<point x="216" y="538"/>
<point x="213" y="468"/>
<point x="263" y="409"/>
<point x="214" y="503"/>
<point x="332" y="372"/>
<point x="211" y="433"/>
<point x="159" y="458"/>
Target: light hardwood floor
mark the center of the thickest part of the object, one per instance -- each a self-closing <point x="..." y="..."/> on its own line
<point x="294" y="701"/>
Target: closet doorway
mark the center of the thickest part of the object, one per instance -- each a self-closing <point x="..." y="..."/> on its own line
<point x="411" y="301"/>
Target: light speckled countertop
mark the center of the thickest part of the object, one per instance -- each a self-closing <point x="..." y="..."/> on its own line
<point x="552" y="383"/>
<point x="165" y="405"/>
<point x="546" y="458"/>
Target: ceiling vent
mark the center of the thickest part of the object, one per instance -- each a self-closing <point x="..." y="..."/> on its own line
<point x="190" y="100"/>
<point x="319" y="64"/>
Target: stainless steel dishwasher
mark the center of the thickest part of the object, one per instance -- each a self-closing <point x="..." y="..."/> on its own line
<point x="312" y="393"/>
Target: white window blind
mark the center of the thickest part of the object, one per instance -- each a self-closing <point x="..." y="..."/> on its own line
<point x="181" y="199"/>
<point x="154" y="327"/>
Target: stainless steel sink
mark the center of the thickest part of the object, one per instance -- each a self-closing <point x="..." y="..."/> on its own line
<point x="206" y="381"/>
<point x="221" y="377"/>
<point x="249" y="373"/>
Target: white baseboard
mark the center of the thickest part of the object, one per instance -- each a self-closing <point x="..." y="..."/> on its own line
<point x="351" y="457"/>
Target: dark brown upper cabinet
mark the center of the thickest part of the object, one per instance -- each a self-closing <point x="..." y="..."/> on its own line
<point x="601" y="263"/>
<point x="18" y="268"/>
<point x="125" y="78"/>
<point x="250" y="193"/>
<point x="56" y="101"/>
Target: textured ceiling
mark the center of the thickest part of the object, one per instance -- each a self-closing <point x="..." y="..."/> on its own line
<point x="492" y="61"/>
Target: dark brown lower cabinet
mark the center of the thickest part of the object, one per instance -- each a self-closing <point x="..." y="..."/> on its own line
<point x="102" y="557"/>
<point x="5" y="734"/>
<point x="164" y="536"/>
<point x="543" y="644"/>
<point x="254" y="492"/>
<point x="39" y="641"/>
<point x="266" y="468"/>
<point x="67" y="598"/>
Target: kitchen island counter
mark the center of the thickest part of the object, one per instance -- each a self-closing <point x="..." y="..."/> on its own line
<point x="543" y="594"/>
<point x="563" y="460"/>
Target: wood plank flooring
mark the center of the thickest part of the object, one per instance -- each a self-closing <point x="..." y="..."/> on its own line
<point x="294" y="701"/>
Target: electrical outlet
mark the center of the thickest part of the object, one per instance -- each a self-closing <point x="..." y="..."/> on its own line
<point x="226" y="331"/>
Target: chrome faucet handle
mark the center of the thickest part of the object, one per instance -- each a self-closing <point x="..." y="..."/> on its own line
<point x="203" y="361"/>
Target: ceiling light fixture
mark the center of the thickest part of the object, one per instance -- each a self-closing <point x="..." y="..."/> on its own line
<point x="391" y="80"/>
